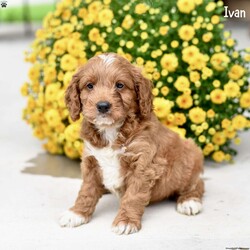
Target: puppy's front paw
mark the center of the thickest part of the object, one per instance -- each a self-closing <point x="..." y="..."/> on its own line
<point x="125" y="228"/>
<point x="71" y="219"/>
<point x="189" y="207"/>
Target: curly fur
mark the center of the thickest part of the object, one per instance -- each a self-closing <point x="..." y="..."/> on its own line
<point x="153" y="162"/>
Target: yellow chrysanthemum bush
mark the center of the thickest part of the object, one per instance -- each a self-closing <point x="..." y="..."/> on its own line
<point x="200" y="79"/>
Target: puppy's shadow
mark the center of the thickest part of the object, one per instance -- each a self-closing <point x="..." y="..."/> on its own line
<point x="53" y="165"/>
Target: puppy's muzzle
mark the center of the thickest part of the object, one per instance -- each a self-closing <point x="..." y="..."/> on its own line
<point x="103" y="107"/>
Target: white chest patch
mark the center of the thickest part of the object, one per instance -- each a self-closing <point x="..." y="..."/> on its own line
<point x="109" y="163"/>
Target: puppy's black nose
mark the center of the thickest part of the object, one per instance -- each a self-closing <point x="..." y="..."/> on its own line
<point x="103" y="107"/>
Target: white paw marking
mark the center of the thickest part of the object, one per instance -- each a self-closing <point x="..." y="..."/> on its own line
<point x="190" y="207"/>
<point x="71" y="219"/>
<point x="122" y="228"/>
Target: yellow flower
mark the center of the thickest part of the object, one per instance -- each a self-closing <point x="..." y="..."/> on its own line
<point x="219" y="61"/>
<point x="208" y="149"/>
<point x="38" y="132"/>
<point x="235" y="54"/>
<point x="60" y="96"/>
<point x="67" y="77"/>
<point x="230" y="42"/>
<point x="94" y="34"/>
<point x="127" y="22"/>
<point x="95" y="7"/>
<point x="141" y="8"/>
<point x="118" y="31"/>
<point x="218" y="156"/>
<point x="189" y="52"/>
<point x="215" y="19"/>
<point x="143" y="26"/>
<point x="207" y="37"/>
<point x="228" y="157"/>
<point x="184" y="101"/>
<point x="170" y="117"/>
<point x="51" y="92"/>
<point x="231" y="89"/>
<point x="163" y="30"/>
<point x="197" y="115"/>
<point x="237" y="141"/>
<point x="130" y="44"/>
<point x="49" y="74"/>
<point x="225" y="123"/>
<point x="66" y="15"/>
<point x="169" y="62"/>
<point x="236" y="72"/>
<point x="239" y="122"/>
<point x="70" y="151"/>
<point x="230" y="132"/>
<point x="52" y="147"/>
<point x="156" y="75"/>
<point x="202" y="138"/>
<point x="173" y="24"/>
<point x="139" y="60"/>
<point x="72" y="132"/>
<point x="144" y="35"/>
<point x="162" y="107"/>
<point x="204" y="125"/>
<point x="216" y="83"/>
<point x="198" y="2"/>
<point x="174" y="44"/>
<point x="209" y="26"/>
<point x="198" y="62"/>
<point x="52" y="117"/>
<point x="165" y="18"/>
<point x="155" y="91"/>
<point x="207" y="72"/>
<point x="247" y="57"/>
<point x="68" y="62"/>
<point x="25" y="89"/>
<point x="105" y="17"/>
<point x="82" y="13"/>
<point x="210" y="7"/>
<point x="165" y="90"/>
<point x="66" y="29"/>
<point x="89" y="19"/>
<point x="179" y="119"/>
<point x="245" y="100"/>
<point x="211" y="131"/>
<point x="34" y="73"/>
<point x="149" y="66"/>
<point x="218" y="96"/>
<point x="219" y="138"/>
<point x="75" y="47"/>
<point x="100" y="41"/>
<point x="186" y="6"/>
<point x="182" y="83"/>
<point x="194" y="76"/>
<point x="186" y="32"/>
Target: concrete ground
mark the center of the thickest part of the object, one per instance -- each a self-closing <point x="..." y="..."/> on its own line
<point x="36" y="187"/>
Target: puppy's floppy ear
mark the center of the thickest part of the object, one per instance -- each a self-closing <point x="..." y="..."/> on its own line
<point x="143" y="88"/>
<point x="72" y="97"/>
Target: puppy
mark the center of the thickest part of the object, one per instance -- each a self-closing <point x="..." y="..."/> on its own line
<point x="127" y="150"/>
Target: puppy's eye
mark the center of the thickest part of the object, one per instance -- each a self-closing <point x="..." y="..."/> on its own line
<point x="119" y="85"/>
<point x="90" y="86"/>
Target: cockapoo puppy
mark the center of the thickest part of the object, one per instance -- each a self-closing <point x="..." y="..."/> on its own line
<point x="126" y="149"/>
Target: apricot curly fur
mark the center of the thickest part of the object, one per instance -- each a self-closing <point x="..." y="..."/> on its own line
<point x="155" y="162"/>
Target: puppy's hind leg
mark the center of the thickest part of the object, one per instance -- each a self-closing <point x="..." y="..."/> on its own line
<point x="189" y="201"/>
